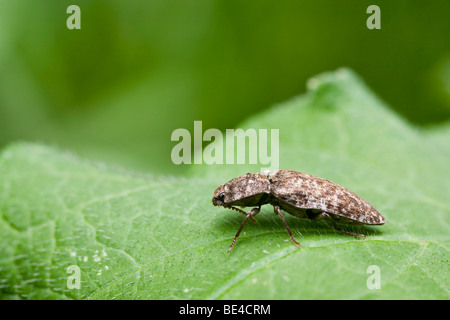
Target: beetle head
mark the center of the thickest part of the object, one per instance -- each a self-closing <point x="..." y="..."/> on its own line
<point x="219" y="196"/>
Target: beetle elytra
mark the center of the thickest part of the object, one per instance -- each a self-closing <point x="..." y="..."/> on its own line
<point x="300" y="194"/>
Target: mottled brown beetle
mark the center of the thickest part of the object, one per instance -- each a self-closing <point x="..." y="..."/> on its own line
<point x="300" y="194"/>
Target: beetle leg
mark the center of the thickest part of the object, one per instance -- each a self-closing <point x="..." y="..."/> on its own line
<point x="327" y="216"/>
<point x="251" y="213"/>
<point x="278" y="212"/>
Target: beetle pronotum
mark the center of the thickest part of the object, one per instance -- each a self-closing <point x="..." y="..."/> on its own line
<point x="300" y="194"/>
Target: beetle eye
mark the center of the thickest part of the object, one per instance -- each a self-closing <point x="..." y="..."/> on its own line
<point x="221" y="196"/>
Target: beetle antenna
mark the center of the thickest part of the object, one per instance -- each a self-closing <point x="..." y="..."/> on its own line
<point x="239" y="210"/>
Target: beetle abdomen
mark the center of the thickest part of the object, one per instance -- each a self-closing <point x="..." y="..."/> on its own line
<point x="304" y="191"/>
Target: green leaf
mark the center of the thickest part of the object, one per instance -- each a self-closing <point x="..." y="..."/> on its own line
<point x="136" y="236"/>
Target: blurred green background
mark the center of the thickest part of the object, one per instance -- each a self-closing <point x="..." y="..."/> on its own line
<point x="116" y="89"/>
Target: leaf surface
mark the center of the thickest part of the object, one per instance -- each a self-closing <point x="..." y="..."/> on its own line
<point x="136" y="236"/>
